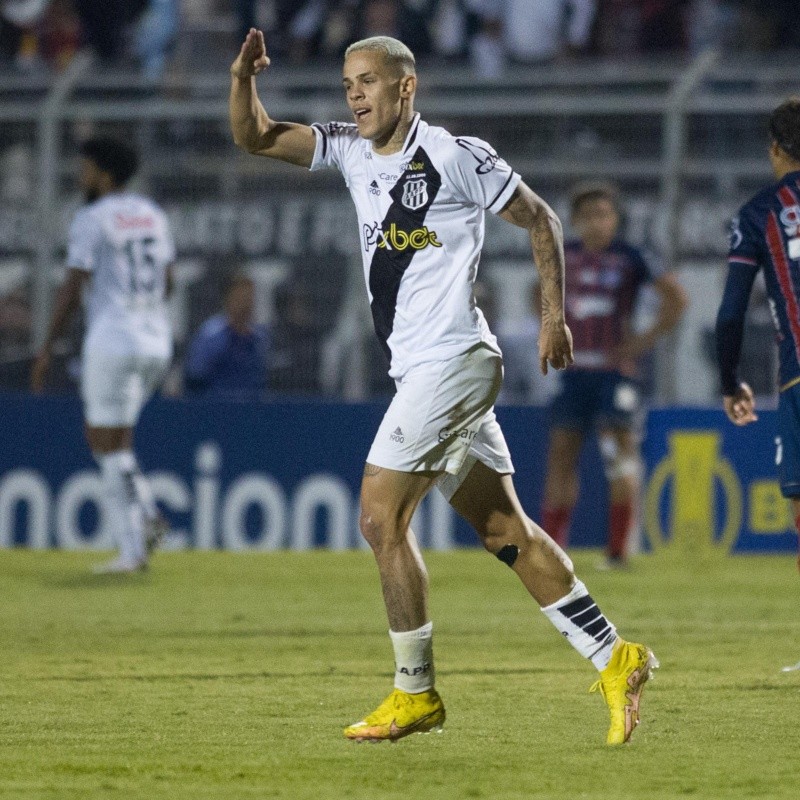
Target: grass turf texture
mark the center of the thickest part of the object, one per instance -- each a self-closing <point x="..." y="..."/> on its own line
<point x="225" y="675"/>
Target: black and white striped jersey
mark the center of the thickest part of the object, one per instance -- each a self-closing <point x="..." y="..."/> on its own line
<point x="421" y="214"/>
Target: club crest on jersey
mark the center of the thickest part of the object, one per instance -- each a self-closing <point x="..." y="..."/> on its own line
<point x="415" y="194"/>
<point x="790" y="219"/>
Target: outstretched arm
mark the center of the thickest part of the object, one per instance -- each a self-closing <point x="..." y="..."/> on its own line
<point x="252" y="128"/>
<point x="527" y="210"/>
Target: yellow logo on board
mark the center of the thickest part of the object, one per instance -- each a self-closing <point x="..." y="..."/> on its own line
<point x="694" y="469"/>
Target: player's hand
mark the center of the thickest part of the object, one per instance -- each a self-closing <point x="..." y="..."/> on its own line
<point x="252" y="58"/>
<point x="740" y="407"/>
<point x="555" y="346"/>
<point x="41" y="366"/>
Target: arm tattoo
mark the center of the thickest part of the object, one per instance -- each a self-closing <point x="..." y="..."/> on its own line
<point x="547" y="241"/>
<point x="527" y="210"/>
<point x="370" y="470"/>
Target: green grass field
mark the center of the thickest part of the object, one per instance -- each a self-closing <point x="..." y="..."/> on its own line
<point x="227" y="676"/>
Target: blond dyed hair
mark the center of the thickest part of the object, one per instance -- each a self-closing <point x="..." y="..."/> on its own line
<point x="397" y="54"/>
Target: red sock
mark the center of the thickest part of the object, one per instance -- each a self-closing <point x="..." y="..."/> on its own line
<point x="619" y="528"/>
<point x="556" y="521"/>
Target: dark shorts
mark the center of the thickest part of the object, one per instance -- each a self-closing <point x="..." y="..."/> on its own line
<point x="590" y="399"/>
<point x="787" y="456"/>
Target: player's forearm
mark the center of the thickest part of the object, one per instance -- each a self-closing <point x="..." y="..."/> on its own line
<point x="250" y="122"/>
<point x="730" y="325"/>
<point x="668" y="317"/>
<point x="729" y="333"/>
<point x="547" y="243"/>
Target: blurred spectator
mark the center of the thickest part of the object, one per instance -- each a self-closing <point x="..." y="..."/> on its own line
<point x="768" y="26"/>
<point x="628" y="28"/>
<point x="155" y="35"/>
<point x="711" y="23"/>
<point x="19" y="20"/>
<point x="408" y="20"/>
<point x="310" y="28"/>
<point x="103" y="23"/>
<point x="296" y="342"/>
<point x="60" y="34"/>
<point x="531" y="32"/>
<point x="228" y="356"/>
<point x="453" y="26"/>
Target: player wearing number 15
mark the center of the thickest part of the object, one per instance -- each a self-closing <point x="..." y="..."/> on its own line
<point x="120" y="252"/>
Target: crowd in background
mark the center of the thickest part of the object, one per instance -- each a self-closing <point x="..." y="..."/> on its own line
<point x="488" y="34"/>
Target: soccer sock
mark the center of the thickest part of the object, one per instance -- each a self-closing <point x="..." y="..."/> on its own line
<point x="144" y="493"/>
<point x="413" y="659"/>
<point x="619" y="527"/>
<point x="555" y="521"/>
<point x="584" y="626"/>
<point x="117" y="469"/>
<point x="797" y="528"/>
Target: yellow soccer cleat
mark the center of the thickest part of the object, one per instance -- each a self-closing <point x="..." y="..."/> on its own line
<point x="621" y="684"/>
<point x="399" y="715"/>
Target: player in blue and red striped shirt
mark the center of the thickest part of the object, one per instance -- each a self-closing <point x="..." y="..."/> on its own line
<point x="766" y="236"/>
<point x="599" y="392"/>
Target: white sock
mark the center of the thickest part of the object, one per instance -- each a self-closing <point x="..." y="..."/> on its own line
<point x="144" y="494"/>
<point x="117" y="469"/>
<point x="582" y="623"/>
<point x="140" y="484"/>
<point x="413" y="659"/>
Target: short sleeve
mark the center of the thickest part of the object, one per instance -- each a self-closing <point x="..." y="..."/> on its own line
<point x="334" y="141"/>
<point x="479" y="176"/>
<point x="85" y="236"/>
<point x="746" y="239"/>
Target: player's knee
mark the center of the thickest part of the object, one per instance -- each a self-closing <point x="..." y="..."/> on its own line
<point x="506" y="531"/>
<point x="380" y="525"/>
<point x="620" y="467"/>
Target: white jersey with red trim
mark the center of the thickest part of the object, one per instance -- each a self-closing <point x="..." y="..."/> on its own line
<point x="124" y="241"/>
<point x="421" y="218"/>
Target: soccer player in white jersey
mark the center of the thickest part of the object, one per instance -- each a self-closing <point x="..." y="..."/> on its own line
<point x="119" y="256"/>
<point x="420" y="194"/>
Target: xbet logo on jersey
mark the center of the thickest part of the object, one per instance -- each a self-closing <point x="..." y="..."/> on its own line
<point x="395" y="238"/>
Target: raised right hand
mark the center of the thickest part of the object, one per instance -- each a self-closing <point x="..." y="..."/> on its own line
<point x="252" y="58"/>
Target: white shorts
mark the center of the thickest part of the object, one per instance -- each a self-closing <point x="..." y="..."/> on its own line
<point x="442" y="420"/>
<point x="116" y="387"/>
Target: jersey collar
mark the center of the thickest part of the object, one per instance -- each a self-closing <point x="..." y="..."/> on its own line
<point x="791" y="176"/>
